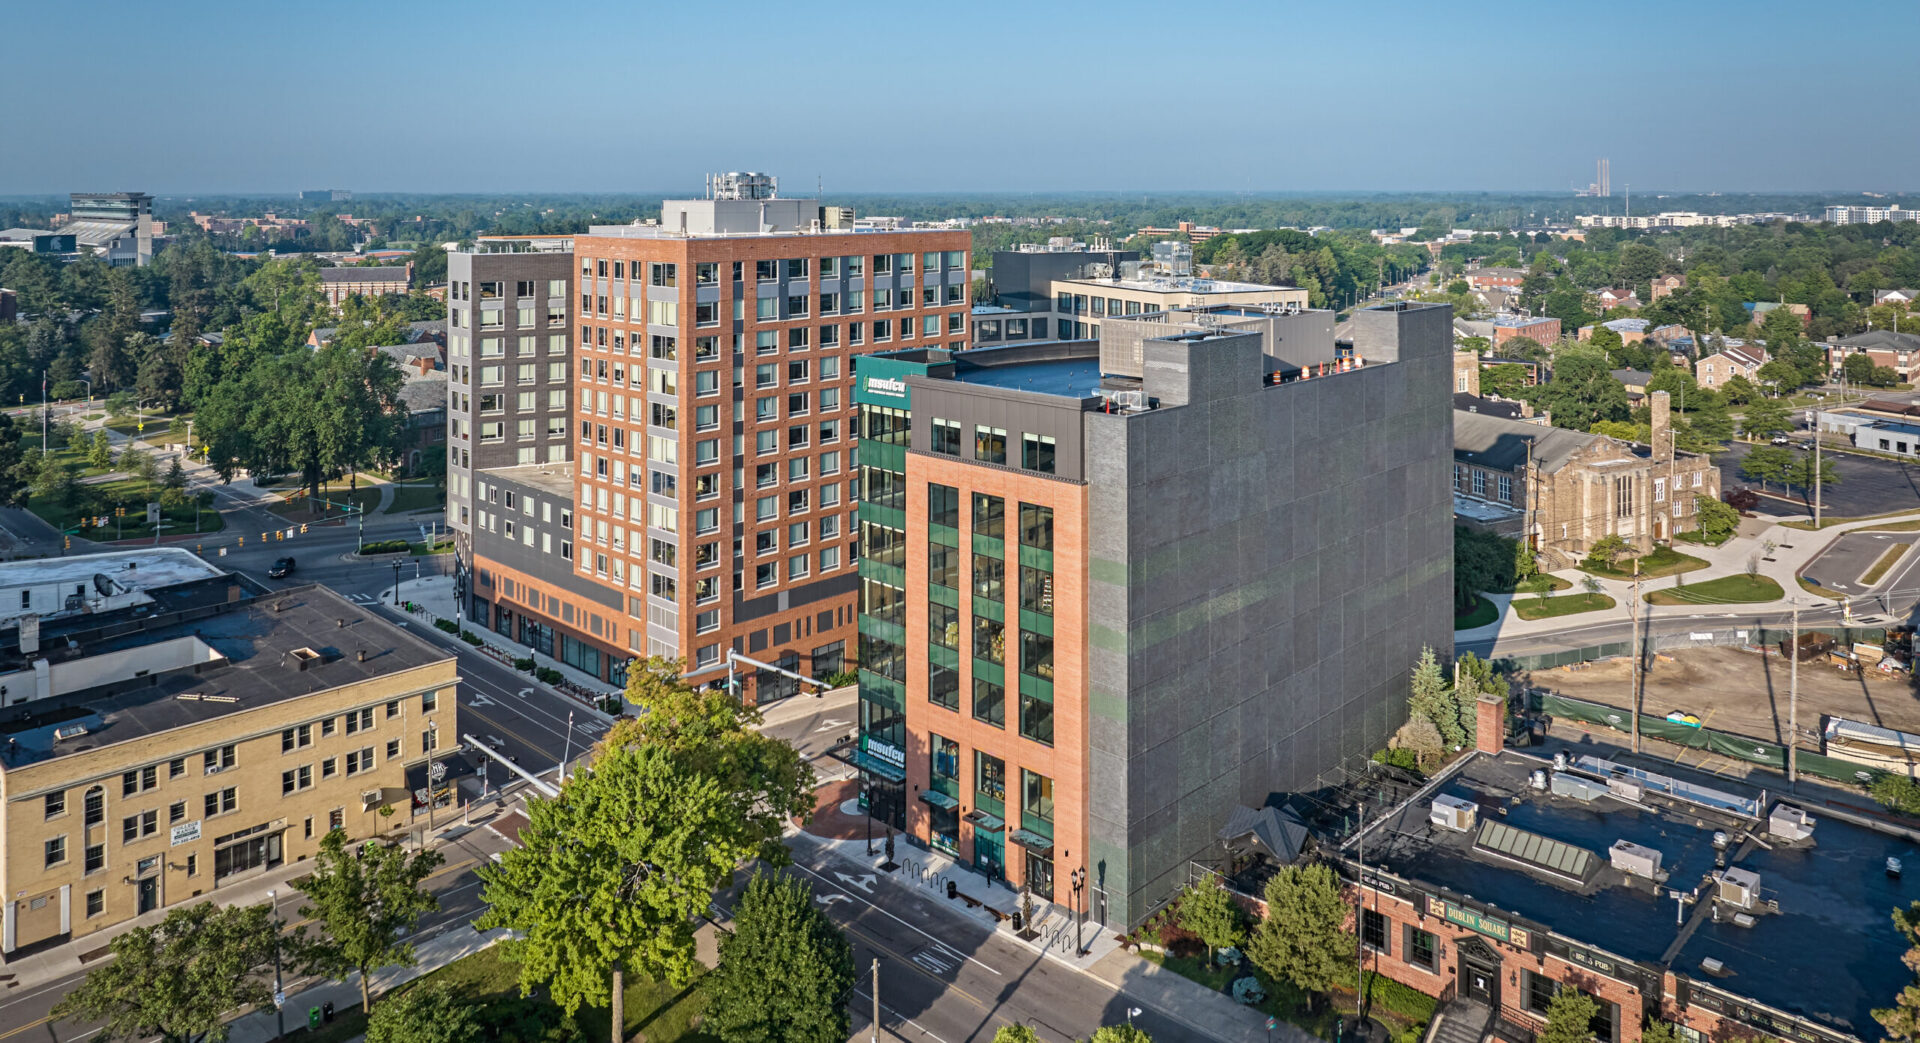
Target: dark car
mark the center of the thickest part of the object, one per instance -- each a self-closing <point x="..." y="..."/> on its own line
<point x="281" y="569"/>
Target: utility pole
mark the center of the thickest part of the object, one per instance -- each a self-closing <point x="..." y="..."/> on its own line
<point x="1793" y="702"/>
<point x="566" y="751"/>
<point x="1633" y="611"/>
<point x="1818" y="485"/>
<point x="874" y="1035"/>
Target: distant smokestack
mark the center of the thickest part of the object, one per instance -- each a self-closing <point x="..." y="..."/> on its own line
<point x="1661" y="405"/>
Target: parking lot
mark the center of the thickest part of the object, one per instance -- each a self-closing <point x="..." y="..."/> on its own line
<point x="1846" y="561"/>
<point x="1867" y="486"/>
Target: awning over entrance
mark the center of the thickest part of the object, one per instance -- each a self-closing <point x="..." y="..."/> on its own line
<point x="874" y="766"/>
<point x="939" y="799"/>
<point x="1034" y="842"/>
<point x="982" y="820"/>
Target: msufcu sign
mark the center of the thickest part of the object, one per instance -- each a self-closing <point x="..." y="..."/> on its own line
<point x="882" y="381"/>
<point x="888" y="387"/>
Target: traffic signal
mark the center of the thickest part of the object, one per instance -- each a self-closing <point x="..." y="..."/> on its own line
<point x="69" y="543"/>
<point x="279" y="535"/>
<point x="243" y="541"/>
<point x="263" y="537"/>
<point x="303" y="528"/>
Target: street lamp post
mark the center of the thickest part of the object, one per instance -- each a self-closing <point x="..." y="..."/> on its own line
<point x="433" y="745"/>
<point x="1079" y="879"/>
<point x="396" y="583"/>
<point x="279" y="992"/>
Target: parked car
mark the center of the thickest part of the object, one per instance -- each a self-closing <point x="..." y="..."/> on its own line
<point x="1782" y="440"/>
<point x="1807" y="446"/>
<point x="281" y="569"/>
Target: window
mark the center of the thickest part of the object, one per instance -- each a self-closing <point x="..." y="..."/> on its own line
<point x="1036" y="797"/>
<point x="55" y="850"/>
<point x="989" y="577"/>
<point x="177" y="811"/>
<point x="96" y="903"/>
<point x="943" y="565"/>
<point x="393" y="749"/>
<point x="1422" y="948"/>
<point x="1373" y="930"/>
<point x="1036" y="452"/>
<point x="989" y="639"/>
<point x="56" y="804"/>
<point x="133" y="827"/>
<point x="943" y="625"/>
<point x="296" y="738"/>
<point x="1506" y="488"/>
<point x="296" y="779"/>
<point x="943" y="686"/>
<point x="1036" y="719"/>
<point x="989" y="776"/>
<point x="96" y="859"/>
<point x="1036" y="590"/>
<point x="360" y="760"/>
<point x="989" y="516"/>
<point x="946" y="436"/>
<point x="990" y="444"/>
<point x="95" y="804"/>
<point x="1036" y="655"/>
<point x="360" y="720"/>
<point x="221" y="802"/>
<point x="1036" y="527"/>
<point x="943" y="506"/>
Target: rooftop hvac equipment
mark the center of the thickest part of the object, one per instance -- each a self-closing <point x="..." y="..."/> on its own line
<point x="1453" y="813"/>
<point x="1712" y="966"/>
<point x="1560" y="760"/>
<point x="1789" y="823"/>
<point x="1538" y="780"/>
<point x="736" y="184"/>
<point x="1635" y="860"/>
<point x="1739" y="888"/>
<point x="1581" y="789"/>
<point x="69" y="731"/>
<point x="1173" y="258"/>
<point x="1626" y="789"/>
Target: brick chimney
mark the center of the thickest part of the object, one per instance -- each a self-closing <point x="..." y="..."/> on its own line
<point x="1661" y="405"/>
<point x="1490" y="724"/>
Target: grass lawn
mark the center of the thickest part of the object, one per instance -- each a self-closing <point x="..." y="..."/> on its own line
<point x="1482" y="613"/>
<point x="129" y="425"/>
<point x="663" y="1013"/>
<point x="1540" y="581"/>
<point x="1661" y="561"/>
<point x="1566" y="605"/>
<point x="1400" y="1008"/>
<point x="1879" y="569"/>
<point x="1727" y="590"/>
<point x="440" y="547"/>
<point x="1694" y="536"/>
<point x="1815" y="588"/>
<point x="1807" y="525"/>
<point x="416" y="496"/>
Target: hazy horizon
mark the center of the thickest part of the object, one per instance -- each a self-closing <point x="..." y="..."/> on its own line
<point x="228" y="98"/>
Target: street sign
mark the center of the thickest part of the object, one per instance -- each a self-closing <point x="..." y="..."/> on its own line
<point x="437" y="772"/>
<point x="279" y="999"/>
<point x="1272" y="1024"/>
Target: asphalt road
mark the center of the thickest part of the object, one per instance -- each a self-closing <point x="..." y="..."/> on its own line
<point x="1818" y="612"/>
<point x="24" y="1018"/>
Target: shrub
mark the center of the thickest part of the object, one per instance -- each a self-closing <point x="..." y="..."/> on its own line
<point x="548" y="675"/>
<point x="447" y="625"/>
<point x="385" y="547"/>
<point x="470" y="638"/>
<point x="843" y="678"/>
<point x="523" y="664"/>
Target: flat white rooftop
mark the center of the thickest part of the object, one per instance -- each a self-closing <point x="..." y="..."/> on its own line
<point x="131" y="572"/>
<point x="1181" y="284"/>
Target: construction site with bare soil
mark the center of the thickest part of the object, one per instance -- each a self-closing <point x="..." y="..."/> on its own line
<point x="1744" y="691"/>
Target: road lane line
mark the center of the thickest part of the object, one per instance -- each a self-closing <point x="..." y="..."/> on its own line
<point x="857" y="896"/>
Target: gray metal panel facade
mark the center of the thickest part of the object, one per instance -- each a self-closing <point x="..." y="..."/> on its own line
<point x="1265" y="565"/>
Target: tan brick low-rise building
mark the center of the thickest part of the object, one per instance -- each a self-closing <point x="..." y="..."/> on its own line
<point x="337" y="284"/>
<point x="1563" y="490"/>
<point x="163" y="741"/>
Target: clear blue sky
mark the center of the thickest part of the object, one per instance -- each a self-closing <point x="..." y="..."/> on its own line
<point x="398" y="95"/>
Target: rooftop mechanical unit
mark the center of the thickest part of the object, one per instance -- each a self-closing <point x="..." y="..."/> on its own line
<point x="1636" y="860"/>
<point x="1453" y="813"/>
<point x="1738" y="887"/>
<point x="1789" y="823"/>
<point x="1581" y="789"/>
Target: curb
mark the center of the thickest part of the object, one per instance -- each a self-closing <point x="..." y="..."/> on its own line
<point x="461" y="646"/>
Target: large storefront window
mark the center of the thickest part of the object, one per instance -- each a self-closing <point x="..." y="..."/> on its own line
<point x="245" y="850"/>
<point x="537" y="637"/>
<point x="579" y="655"/>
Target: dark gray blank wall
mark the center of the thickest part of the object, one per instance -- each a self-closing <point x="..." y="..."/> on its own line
<point x="1265" y="567"/>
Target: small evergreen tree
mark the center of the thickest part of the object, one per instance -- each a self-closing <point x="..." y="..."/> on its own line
<point x="1209" y="912"/>
<point x="1569" y="1017"/>
<point x="1430" y="698"/>
<point x="1304" y="938"/>
<point x="100" y="457"/>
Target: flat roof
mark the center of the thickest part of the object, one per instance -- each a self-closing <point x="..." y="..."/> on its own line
<point x="1074" y="378"/>
<point x="555" y="479"/>
<point x="1829" y="954"/>
<point x="256" y="636"/>
<point x="1180" y="284"/>
<point x="132" y="574"/>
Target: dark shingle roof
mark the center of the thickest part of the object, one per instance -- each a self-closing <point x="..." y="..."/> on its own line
<point x="1501" y="444"/>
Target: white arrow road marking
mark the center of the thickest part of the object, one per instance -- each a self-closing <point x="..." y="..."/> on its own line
<point x="830" y="899"/>
<point x="524" y="692"/>
<point x="476" y="699"/>
<point x="831" y="724"/>
<point x="864" y="881"/>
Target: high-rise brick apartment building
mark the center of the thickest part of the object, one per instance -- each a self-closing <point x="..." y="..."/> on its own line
<point x="509" y="363"/>
<point x="1110" y="596"/>
<point x="713" y="436"/>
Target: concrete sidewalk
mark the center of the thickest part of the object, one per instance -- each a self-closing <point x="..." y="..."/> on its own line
<point x="1791" y="550"/>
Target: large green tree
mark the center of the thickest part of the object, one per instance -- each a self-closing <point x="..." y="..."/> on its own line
<point x="1210" y="913"/>
<point x="1303" y="940"/>
<point x="785" y="972"/>
<point x="366" y="899"/>
<point x="1431" y="697"/>
<point x="1765" y="418"/>
<point x="1583" y="390"/>
<point x="181" y="978"/>
<point x="1119" y="1034"/>
<point x="429" y="1012"/>
<point x="1767" y="463"/>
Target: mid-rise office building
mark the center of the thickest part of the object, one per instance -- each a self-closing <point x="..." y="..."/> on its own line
<point x="1064" y="290"/>
<point x="1867" y="215"/>
<point x="1102" y="610"/>
<point x="170" y="729"/>
<point x="509" y="364"/>
<point x="712" y="478"/>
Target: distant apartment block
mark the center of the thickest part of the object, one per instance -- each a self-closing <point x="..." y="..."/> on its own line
<point x="325" y="195"/>
<point x="1867" y="215"/>
<point x="337" y="284"/>
<point x="1495" y="278"/>
<point x="1100" y="610"/>
<point x="1679" y="219"/>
